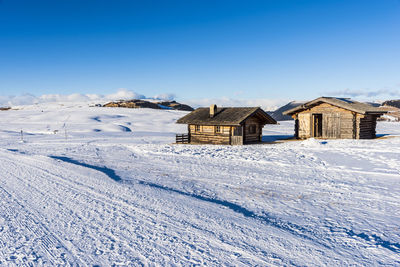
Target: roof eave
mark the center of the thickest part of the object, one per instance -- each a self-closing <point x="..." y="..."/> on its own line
<point x="268" y="118"/>
<point x="294" y="110"/>
<point x="211" y="123"/>
<point x="377" y="112"/>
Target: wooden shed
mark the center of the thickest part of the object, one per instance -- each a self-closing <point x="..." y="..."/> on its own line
<point x="225" y="126"/>
<point x="334" y="118"/>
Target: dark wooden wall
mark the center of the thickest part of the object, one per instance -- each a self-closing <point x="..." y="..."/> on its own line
<point x="367" y="127"/>
<point x="252" y="137"/>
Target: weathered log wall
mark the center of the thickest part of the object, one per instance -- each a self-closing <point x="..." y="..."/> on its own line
<point x="336" y="123"/>
<point x="208" y="135"/>
<point x="210" y="139"/>
<point x="304" y="129"/>
<point x="224" y="135"/>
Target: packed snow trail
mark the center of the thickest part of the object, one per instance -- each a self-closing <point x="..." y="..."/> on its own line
<point x="84" y="169"/>
<point x="106" y="196"/>
<point x="101" y="228"/>
<point x="37" y="245"/>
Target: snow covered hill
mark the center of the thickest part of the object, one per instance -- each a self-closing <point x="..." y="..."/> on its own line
<point x="106" y="186"/>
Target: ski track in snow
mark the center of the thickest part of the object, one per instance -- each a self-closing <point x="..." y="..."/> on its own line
<point x="41" y="169"/>
<point x="102" y="195"/>
<point x="38" y="245"/>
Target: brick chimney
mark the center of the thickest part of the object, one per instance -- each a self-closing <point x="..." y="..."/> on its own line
<point x="213" y="110"/>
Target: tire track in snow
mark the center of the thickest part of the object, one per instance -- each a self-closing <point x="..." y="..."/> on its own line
<point x="147" y="165"/>
<point x="223" y="244"/>
<point x="77" y="218"/>
<point x="289" y="227"/>
<point x="282" y="225"/>
<point x="107" y="171"/>
<point x="43" y="246"/>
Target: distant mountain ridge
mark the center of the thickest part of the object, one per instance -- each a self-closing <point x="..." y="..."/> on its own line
<point x="393" y="109"/>
<point x="392" y="103"/>
<point x="277" y="114"/>
<point x="140" y="103"/>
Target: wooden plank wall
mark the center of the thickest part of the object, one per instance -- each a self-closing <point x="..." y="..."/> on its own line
<point x="304" y="125"/>
<point x="347" y="119"/>
<point x="236" y="140"/>
<point x="337" y="122"/>
<point x="207" y="135"/>
<point x="331" y="125"/>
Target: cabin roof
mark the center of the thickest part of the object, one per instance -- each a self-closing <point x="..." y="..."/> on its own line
<point x="225" y="116"/>
<point x="346" y="103"/>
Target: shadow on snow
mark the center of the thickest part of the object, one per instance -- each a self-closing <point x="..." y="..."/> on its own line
<point x="265" y="218"/>
<point x="269" y="220"/>
<point x="274" y="138"/>
<point x="283" y="225"/>
<point x="107" y="171"/>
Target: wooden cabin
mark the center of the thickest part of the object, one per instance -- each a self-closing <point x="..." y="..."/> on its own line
<point x="334" y="118"/>
<point x="225" y="126"/>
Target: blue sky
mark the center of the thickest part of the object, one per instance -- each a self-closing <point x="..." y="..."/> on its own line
<point x="278" y="49"/>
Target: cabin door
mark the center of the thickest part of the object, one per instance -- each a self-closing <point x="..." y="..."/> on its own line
<point x="317" y="125"/>
<point x="332" y="126"/>
<point x="237" y="136"/>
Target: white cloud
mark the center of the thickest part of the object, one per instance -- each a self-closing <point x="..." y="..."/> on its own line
<point x="385" y="92"/>
<point x="164" y="97"/>
<point x="63" y="98"/>
<point x="25" y="99"/>
<point x="124" y="94"/>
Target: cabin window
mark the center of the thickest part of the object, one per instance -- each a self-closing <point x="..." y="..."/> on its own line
<point x="218" y="129"/>
<point x="197" y="128"/>
<point x="252" y="129"/>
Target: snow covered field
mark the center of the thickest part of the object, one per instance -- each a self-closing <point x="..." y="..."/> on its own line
<point x="106" y="186"/>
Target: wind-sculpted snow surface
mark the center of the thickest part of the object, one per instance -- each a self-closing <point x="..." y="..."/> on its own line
<point x="114" y="197"/>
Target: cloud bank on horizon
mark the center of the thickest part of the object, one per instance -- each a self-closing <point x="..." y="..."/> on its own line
<point x="368" y="94"/>
<point x="125" y="94"/>
<point x="120" y="94"/>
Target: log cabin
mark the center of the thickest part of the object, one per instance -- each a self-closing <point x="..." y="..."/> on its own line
<point x="335" y="118"/>
<point x="225" y="126"/>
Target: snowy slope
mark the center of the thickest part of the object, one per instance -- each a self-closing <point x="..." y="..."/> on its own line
<point x="113" y="189"/>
